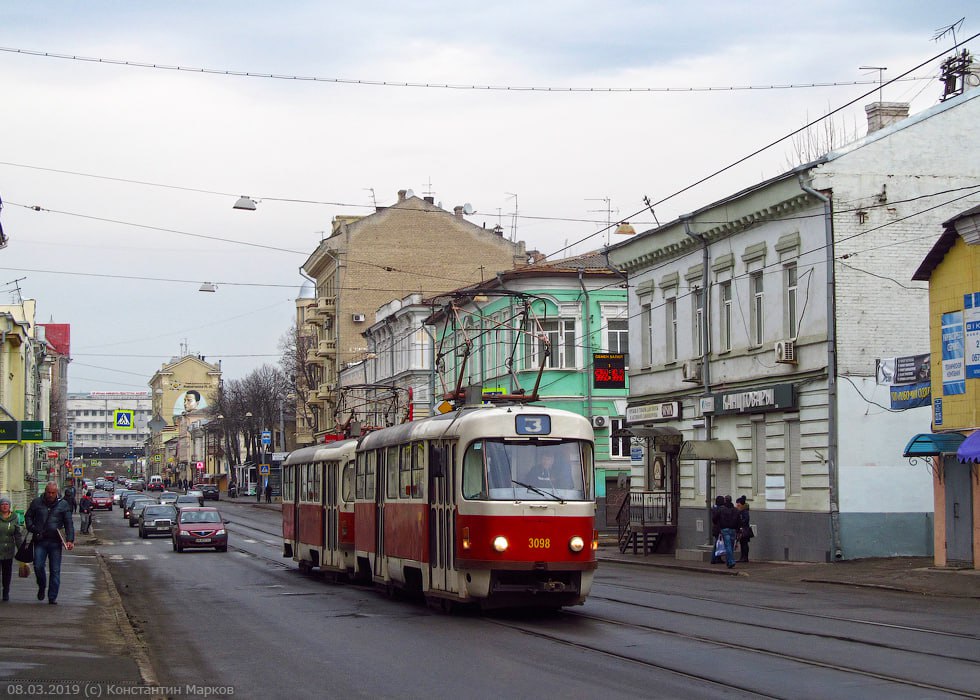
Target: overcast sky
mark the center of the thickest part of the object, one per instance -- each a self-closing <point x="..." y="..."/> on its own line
<point x="97" y="254"/>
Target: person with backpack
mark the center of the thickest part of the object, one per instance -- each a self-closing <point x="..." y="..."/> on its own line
<point x="70" y="496"/>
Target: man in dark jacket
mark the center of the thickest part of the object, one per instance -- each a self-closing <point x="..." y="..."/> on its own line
<point x="44" y="517"/>
<point x="726" y="520"/>
<point x="70" y="497"/>
<point x="85" y="507"/>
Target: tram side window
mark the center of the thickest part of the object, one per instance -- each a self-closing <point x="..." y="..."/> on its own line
<point x="405" y="472"/>
<point x="474" y="475"/>
<point x="347" y="493"/>
<point x="418" y="469"/>
<point x="317" y="483"/>
<point x="391" y="472"/>
<point x="360" y="470"/>
<point x="288" y="474"/>
<point x="369" y="475"/>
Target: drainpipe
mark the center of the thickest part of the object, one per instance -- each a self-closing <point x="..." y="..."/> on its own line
<point x="705" y="356"/>
<point x="833" y="477"/>
<point x="586" y="316"/>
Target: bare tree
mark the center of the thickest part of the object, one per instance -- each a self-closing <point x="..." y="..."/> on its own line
<point x="250" y="405"/>
<point x="818" y="139"/>
<point x="302" y="377"/>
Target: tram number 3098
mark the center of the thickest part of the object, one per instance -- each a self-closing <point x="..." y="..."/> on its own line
<point x="539" y="542"/>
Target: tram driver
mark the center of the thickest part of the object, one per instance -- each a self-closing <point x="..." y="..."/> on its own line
<point x="547" y="475"/>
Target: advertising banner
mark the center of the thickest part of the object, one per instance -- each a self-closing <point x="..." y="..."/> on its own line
<point x="911" y="395"/>
<point x="954" y="375"/>
<point x="910" y="369"/>
<point x="971" y="320"/>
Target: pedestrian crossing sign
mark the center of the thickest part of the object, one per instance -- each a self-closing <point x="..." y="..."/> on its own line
<point x="264" y="469"/>
<point x="123" y="419"/>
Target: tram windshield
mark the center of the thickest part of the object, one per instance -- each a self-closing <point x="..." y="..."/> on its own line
<point x="500" y="470"/>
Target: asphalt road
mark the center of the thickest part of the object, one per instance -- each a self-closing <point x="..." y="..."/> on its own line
<point x="248" y="619"/>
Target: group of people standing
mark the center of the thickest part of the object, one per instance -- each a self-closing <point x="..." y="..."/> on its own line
<point x="730" y="525"/>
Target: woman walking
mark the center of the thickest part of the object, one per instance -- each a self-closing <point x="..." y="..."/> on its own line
<point x="11" y="535"/>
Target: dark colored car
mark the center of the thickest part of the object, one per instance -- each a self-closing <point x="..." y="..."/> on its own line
<point x="156" y="520"/>
<point x="132" y="501"/>
<point x="101" y="501"/>
<point x="186" y="500"/>
<point x="136" y="510"/>
<point x="199" y="528"/>
<point x="210" y="492"/>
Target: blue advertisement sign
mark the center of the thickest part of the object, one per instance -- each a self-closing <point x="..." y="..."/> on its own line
<point x="971" y="321"/>
<point x="911" y="395"/>
<point x="954" y="370"/>
<point x="937" y="412"/>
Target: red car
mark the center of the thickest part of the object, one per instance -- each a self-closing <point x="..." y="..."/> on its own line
<point x="199" y="528"/>
<point x="101" y="501"/>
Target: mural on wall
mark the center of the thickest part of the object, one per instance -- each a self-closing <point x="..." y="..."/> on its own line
<point x="190" y="400"/>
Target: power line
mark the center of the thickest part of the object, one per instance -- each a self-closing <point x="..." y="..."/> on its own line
<point x="441" y="86"/>
<point x="756" y="152"/>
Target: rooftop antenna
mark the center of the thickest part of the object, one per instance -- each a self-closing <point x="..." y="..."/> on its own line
<point x="608" y="211"/>
<point x="373" y="197"/>
<point x="15" y="295"/>
<point x="881" y="78"/>
<point x="429" y="192"/>
<point x="646" y="200"/>
<point x="513" y="221"/>
<point x="183" y="347"/>
<point x="949" y="29"/>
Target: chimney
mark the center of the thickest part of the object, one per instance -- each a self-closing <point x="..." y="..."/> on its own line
<point x="882" y="114"/>
<point x="458" y="212"/>
<point x="401" y="195"/>
<point x="430" y="200"/>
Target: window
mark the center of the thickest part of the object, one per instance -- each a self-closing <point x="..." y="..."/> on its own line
<point x="726" y="316"/>
<point x="619" y="447"/>
<point x="561" y="336"/>
<point x="391" y="472"/>
<point x="617" y="332"/>
<point x="646" y="335"/>
<point x="671" y="309"/>
<point x="697" y="296"/>
<point x="502" y="471"/>
<point x="791" y="288"/>
<point x="757" y="310"/>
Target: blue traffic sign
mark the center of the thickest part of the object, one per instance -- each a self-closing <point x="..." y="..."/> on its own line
<point x="266" y="437"/>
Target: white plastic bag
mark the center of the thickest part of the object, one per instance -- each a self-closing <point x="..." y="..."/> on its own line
<point x="720" y="546"/>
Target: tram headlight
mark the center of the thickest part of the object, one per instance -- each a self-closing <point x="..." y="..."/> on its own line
<point x="500" y="543"/>
<point x="576" y="544"/>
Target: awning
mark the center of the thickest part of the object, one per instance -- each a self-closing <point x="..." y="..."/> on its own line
<point x="932" y="444"/>
<point x="969" y="450"/>
<point x="718" y="450"/>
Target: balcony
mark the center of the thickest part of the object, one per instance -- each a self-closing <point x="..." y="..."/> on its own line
<point x="325" y="306"/>
<point x="326" y="390"/>
<point x="326" y="348"/>
<point x="311" y="356"/>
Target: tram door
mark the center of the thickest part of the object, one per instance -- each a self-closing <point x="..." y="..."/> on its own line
<point x="442" y="520"/>
<point x="380" y="480"/>
<point x="330" y="513"/>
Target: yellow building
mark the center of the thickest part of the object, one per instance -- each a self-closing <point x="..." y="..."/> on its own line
<point x="183" y="386"/>
<point x="952" y="269"/>
<point x="21" y="356"/>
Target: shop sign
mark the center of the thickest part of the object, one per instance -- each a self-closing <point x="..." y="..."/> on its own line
<point x="653" y="412"/>
<point x="780" y="397"/>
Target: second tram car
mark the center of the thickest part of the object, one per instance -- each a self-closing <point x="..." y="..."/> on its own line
<point x="491" y="506"/>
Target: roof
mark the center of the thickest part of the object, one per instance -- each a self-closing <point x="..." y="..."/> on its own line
<point x="942" y="246"/>
<point x="932" y="444"/>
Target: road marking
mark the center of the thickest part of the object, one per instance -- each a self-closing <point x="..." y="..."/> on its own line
<point x="250" y="541"/>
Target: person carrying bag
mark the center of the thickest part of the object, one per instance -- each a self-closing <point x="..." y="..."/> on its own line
<point x="11" y="542"/>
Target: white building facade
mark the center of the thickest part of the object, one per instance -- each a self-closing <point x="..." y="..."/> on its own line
<point x="100" y="430"/>
<point x="755" y="326"/>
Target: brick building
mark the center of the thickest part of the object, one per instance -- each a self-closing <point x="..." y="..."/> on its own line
<point x="412" y="246"/>
<point x="755" y="326"/>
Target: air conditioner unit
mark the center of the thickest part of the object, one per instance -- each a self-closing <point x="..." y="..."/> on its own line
<point x="691" y="371"/>
<point x="357" y="318"/>
<point x="600" y="421"/>
<point x="786" y="352"/>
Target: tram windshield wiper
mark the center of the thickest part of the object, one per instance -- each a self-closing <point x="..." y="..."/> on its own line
<point x="537" y="490"/>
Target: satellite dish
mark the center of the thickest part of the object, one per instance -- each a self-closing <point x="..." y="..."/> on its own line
<point x="468" y="209"/>
<point x="409" y="193"/>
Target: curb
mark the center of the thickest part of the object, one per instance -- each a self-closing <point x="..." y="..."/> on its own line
<point x="125" y="626"/>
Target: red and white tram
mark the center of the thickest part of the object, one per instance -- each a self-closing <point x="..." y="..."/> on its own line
<point x="455" y="507"/>
<point x="318" y="507"/>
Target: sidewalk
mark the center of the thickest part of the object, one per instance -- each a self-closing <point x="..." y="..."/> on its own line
<point x="907" y="574"/>
<point x="83" y="643"/>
